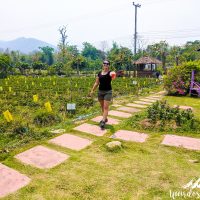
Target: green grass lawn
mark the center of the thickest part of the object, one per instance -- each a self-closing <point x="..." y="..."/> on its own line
<point x="185" y="101"/>
<point x="138" y="171"/>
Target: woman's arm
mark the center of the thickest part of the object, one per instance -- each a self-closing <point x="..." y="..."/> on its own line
<point x="95" y="86"/>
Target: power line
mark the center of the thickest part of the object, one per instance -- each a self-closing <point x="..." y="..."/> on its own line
<point x="172" y="31"/>
<point x="158" y="1"/>
<point x="78" y="18"/>
<point x="85" y="16"/>
<point x="143" y="39"/>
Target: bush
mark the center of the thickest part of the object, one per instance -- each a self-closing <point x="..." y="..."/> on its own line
<point x="163" y="113"/>
<point x="45" y="118"/>
<point x="177" y="81"/>
<point x="15" y="128"/>
<point x="21" y="129"/>
<point x="3" y="127"/>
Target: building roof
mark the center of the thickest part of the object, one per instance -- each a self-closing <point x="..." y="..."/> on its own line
<point x="147" y="60"/>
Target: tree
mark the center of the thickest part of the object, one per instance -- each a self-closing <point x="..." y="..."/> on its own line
<point x="189" y="51"/>
<point x="174" y="56"/>
<point x="63" y="43"/>
<point x="91" y="52"/>
<point x="39" y="66"/>
<point x="5" y="65"/>
<point x="104" y="46"/>
<point x="58" y="68"/>
<point x="120" y="57"/>
<point x="72" y="50"/>
<point x="47" y="54"/>
<point x="94" y="65"/>
<point x="160" y="51"/>
<point x="79" y="62"/>
<point x="14" y="57"/>
<point x="35" y="57"/>
<point x="22" y="67"/>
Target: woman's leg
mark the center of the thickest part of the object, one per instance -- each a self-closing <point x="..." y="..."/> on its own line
<point x="102" y="105"/>
<point x="105" y="110"/>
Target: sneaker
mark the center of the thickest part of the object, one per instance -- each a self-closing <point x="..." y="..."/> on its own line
<point x="105" y="120"/>
<point x="102" y="124"/>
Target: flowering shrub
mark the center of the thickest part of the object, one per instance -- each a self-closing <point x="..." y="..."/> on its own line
<point x="179" y="87"/>
<point x="177" y="80"/>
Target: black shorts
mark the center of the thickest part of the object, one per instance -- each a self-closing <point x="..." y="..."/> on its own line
<point x="105" y="95"/>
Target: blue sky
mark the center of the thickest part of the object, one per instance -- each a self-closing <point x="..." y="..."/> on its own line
<point x="175" y="21"/>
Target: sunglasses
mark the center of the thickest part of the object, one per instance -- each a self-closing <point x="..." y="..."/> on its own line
<point x="106" y="63"/>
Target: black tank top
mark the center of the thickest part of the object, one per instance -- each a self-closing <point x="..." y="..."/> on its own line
<point x="105" y="81"/>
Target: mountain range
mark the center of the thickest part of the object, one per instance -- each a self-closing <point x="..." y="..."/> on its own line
<point x="24" y="45"/>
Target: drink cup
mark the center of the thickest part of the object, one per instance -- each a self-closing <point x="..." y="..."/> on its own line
<point x="113" y="75"/>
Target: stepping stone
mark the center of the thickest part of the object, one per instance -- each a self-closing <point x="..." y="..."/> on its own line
<point x="184" y="107"/>
<point x="130" y="136"/>
<point x="136" y="105"/>
<point x="143" y="103"/>
<point x="181" y="141"/>
<point x="128" y="109"/>
<point x="71" y="142"/>
<point x="111" y="121"/>
<point x="148" y="100"/>
<point x="161" y="93"/>
<point x="115" y="105"/>
<point x="58" y="131"/>
<point x="11" y="180"/>
<point x="80" y="121"/>
<point x="156" y="96"/>
<point x="91" y="129"/>
<point x="42" y="157"/>
<point x="119" y="114"/>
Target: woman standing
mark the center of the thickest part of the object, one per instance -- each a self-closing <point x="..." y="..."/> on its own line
<point x="103" y="80"/>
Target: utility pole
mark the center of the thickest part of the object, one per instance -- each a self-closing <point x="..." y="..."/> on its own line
<point x="135" y="35"/>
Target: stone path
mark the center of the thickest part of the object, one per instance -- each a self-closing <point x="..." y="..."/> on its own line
<point x="128" y="109"/>
<point x="91" y="129"/>
<point x="136" y="105"/>
<point x="153" y="98"/>
<point x="116" y="105"/>
<point x="130" y="136"/>
<point x="161" y="93"/>
<point x="119" y="114"/>
<point x="148" y="100"/>
<point x="71" y="142"/>
<point x="42" y="157"/>
<point x="182" y="141"/>
<point x="11" y="180"/>
<point x="143" y="103"/>
<point x="184" y="107"/>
